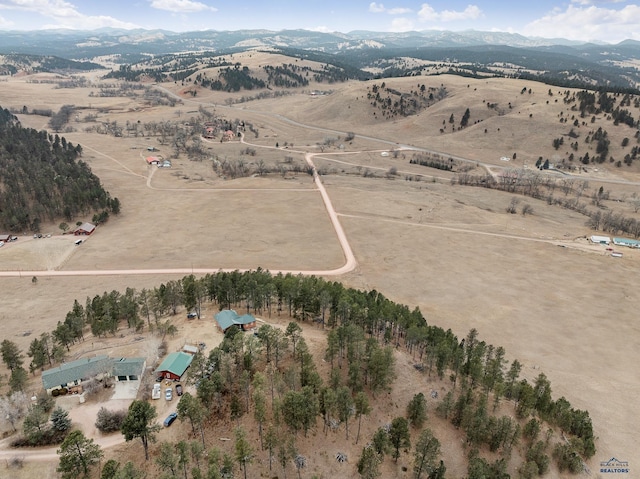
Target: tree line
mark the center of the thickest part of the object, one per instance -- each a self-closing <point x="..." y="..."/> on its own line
<point x="573" y="192"/>
<point x="276" y="368"/>
<point x="43" y="179"/>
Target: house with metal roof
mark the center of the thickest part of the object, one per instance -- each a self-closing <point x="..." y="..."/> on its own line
<point x="174" y="365"/>
<point x="73" y="373"/>
<point x="630" y="243"/>
<point x="128" y="369"/>
<point x="228" y="317"/>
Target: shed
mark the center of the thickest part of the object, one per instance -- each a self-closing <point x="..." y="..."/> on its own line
<point x="174" y="365"/>
<point x="190" y="349"/>
<point x="228" y="317"/>
<point x="5" y="238"/>
<point x="600" y="239"/>
<point x="128" y="369"/>
<point x="152" y="160"/>
<point x="73" y="373"/>
<point x="84" y="229"/>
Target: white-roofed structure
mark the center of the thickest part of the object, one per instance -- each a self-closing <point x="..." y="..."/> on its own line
<point x="600" y="239"/>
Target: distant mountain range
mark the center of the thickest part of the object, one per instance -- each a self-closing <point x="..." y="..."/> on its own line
<point x="75" y="44"/>
<point x="611" y="65"/>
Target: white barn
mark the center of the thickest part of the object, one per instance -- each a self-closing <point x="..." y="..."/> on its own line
<point x="600" y="239"/>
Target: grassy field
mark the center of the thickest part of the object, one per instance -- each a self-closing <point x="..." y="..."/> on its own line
<point x="531" y="283"/>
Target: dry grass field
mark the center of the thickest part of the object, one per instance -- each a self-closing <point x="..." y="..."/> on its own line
<point x="531" y="283"/>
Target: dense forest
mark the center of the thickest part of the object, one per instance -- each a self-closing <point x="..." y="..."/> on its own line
<point x="363" y="328"/>
<point x="42" y="179"/>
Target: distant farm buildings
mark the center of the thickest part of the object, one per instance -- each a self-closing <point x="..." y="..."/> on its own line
<point x="153" y="160"/>
<point x="209" y="131"/>
<point x="629" y="243"/>
<point x="84" y="229"/>
<point x="600" y="239"/>
<point x="228" y="317"/>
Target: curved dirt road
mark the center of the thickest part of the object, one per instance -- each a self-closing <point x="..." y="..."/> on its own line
<point x="50" y="453"/>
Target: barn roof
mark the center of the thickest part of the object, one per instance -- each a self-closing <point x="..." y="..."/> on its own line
<point x="88" y="227"/>
<point x="175" y="363"/>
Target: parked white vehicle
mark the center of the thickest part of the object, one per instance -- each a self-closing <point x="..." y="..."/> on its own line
<point x="156" y="393"/>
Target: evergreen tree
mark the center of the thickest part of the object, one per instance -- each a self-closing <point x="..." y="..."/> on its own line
<point x="369" y="463"/>
<point x="60" y="420"/>
<point x="417" y="410"/>
<point x="140" y="423"/>
<point x="399" y="436"/>
<point x="427" y="451"/>
<point x="77" y="455"/>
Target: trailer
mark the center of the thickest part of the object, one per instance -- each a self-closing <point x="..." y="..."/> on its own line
<point x="155" y="394"/>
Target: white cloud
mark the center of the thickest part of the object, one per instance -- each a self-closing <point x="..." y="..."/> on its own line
<point x="595" y="2"/>
<point x="588" y="23"/>
<point x="4" y="23"/>
<point x="321" y="29"/>
<point x="402" y="24"/>
<point x="376" y="7"/>
<point x="428" y="14"/>
<point x="64" y="14"/>
<point x="181" y="6"/>
<point x="380" y="8"/>
<point x="398" y="11"/>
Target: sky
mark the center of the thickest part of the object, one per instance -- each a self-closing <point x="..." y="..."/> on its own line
<point x="608" y="21"/>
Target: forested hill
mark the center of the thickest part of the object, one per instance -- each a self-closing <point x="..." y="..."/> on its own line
<point x="41" y="179"/>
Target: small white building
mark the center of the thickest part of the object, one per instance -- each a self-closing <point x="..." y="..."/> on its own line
<point x="600" y="239"/>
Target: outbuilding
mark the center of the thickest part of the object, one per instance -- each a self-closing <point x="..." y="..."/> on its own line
<point x="600" y="239"/>
<point x="228" y="317"/>
<point x="84" y="229"/>
<point x="174" y="365"/>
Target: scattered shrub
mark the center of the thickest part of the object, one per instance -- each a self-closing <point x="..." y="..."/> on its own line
<point x="109" y="421"/>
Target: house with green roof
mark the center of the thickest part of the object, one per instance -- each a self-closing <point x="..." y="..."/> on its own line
<point x="73" y="373"/>
<point x="128" y="369"/>
<point x="629" y="243"/>
<point x="174" y="365"/>
<point x="228" y="317"/>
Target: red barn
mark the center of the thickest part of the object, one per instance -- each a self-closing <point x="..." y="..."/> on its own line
<point x="84" y="229"/>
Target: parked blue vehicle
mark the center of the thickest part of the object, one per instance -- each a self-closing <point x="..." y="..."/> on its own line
<point x="170" y="418"/>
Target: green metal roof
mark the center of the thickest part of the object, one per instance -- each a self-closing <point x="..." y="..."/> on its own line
<point x="176" y="363"/>
<point x="76" y="370"/>
<point x="128" y="366"/>
<point x="229" y="317"/>
<point x="626" y="242"/>
<point x="225" y="318"/>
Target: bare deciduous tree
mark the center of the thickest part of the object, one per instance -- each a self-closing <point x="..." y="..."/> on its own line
<point x="13" y="407"/>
